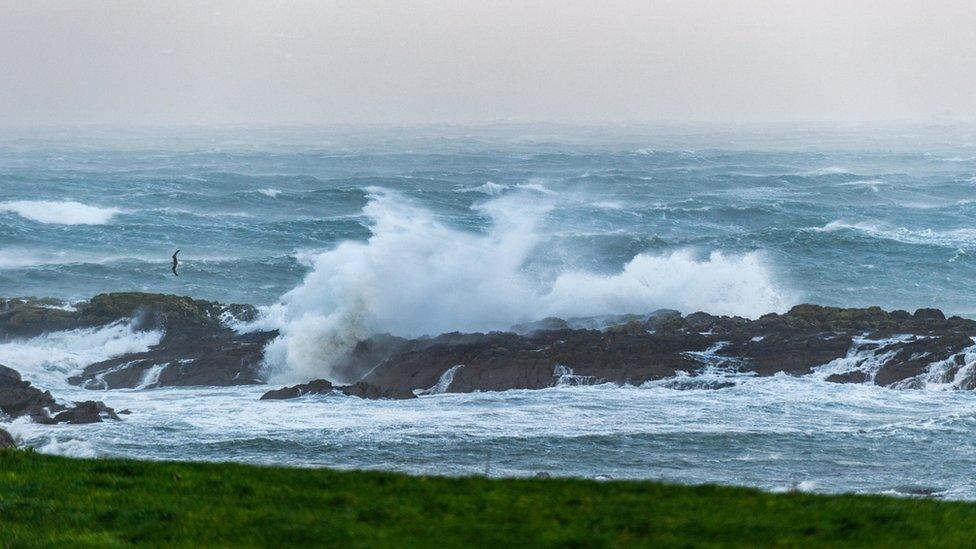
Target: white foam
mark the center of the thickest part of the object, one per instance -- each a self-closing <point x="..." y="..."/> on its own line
<point x="272" y="193"/>
<point x="60" y="213"/>
<point x="50" y="358"/>
<point x="151" y="376"/>
<point x="953" y="238"/>
<point x="829" y="170"/>
<point x="444" y="382"/>
<point x="416" y="276"/>
<point x="489" y="188"/>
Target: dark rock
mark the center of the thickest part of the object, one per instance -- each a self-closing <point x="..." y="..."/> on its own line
<point x="696" y="383"/>
<point x="197" y="347"/>
<point x="19" y="398"/>
<point x="314" y="387"/>
<point x="660" y="317"/>
<point x="548" y="323"/>
<point x="372" y="392"/>
<point x="929" y="314"/>
<point x="913" y="358"/>
<point x="89" y="411"/>
<point x="321" y="386"/>
<point x="855" y="376"/>
<point x="6" y="440"/>
<point x="631" y="328"/>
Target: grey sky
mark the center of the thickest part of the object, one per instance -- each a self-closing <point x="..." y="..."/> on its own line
<point x="465" y="61"/>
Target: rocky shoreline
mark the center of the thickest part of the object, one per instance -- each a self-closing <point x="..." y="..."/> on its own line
<point x="198" y="347"/>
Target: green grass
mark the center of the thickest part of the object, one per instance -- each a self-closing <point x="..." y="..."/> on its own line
<point x="52" y="501"/>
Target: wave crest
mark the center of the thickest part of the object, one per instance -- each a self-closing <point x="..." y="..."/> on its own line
<point x="59" y="213"/>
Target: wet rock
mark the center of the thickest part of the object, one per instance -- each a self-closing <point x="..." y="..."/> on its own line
<point x="314" y="387"/>
<point x="19" y="398"/>
<point x="89" y="411"/>
<point x="321" y="386"/>
<point x="197" y="347"/>
<point x="373" y="392"/>
<point x="548" y="323"/>
<point x="929" y="314"/>
<point x="855" y="376"/>
<point x="694" y="383"/>
<point x="661" y="317"/>
<point x="6" y="440"/>
<point x="913" y="358"/>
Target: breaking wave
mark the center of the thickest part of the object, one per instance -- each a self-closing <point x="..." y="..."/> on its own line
<point x="948" y="238"/>
<point x="417" y="276"/>
<point x="50" y="358"/>
<point x="59" y="213"/>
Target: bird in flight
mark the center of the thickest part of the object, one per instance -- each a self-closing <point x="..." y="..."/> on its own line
<point x="176" y="263"/>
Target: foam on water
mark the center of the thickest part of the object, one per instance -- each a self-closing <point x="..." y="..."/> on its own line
<point x="48" y="360"/>
<point x="61" y="213"/>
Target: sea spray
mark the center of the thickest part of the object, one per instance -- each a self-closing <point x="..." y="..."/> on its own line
<point x="416" y="276"/>
<point x="49" y="359"/>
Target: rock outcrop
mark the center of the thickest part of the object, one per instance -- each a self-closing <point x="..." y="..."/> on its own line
<point x="197" y="346"/>
<point x="6" y="440"/>
<point x="867" y="345"/>
<point x="324" y="387"/>
<point x="19" y="398"/>
<point x="895" y="349"/>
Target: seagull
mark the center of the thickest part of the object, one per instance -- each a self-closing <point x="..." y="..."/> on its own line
<point x="176" y="263"/>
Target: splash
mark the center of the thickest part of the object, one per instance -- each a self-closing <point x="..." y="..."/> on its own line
<point x="60" y="213"/>
<point x="416" y="276"/>
<point x="50" y="358"/>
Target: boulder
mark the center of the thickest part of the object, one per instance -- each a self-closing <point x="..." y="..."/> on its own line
<point x="321" y="386"/>
<point x="89" y="411"/>
<point x="6" y="440"/>
<point x="314" y="387"/>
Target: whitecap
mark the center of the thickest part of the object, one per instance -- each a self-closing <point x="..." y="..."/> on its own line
<point x="489" y="188"/>
<point x="60" y="213"/>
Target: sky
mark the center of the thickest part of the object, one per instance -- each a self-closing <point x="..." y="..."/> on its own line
<point x="460" y="61"/>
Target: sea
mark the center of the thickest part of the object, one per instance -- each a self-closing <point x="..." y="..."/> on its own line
<point x="340" y="232"/>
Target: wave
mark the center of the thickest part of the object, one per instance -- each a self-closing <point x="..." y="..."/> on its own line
<point x="50" y="358"/>
<point x="872" y="184"/>
<point x="489" y="188"/>
<point x="829" y="170"/>
<point x="60" y="213"/>
<point x="417" y="276"/>
<point x="271" y="193"/>
<point x="496" y="189"/>
<point x="954" y="238"/>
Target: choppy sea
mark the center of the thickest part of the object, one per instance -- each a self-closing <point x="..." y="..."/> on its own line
<point x="421" y="230"/>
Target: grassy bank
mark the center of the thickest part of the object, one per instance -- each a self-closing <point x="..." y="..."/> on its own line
<point x="59" y="501"/>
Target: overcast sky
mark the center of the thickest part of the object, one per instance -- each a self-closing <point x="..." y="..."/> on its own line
<point x="470" y="61"/>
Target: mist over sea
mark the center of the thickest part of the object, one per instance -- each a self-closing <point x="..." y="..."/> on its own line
<point x="342" y="232"/>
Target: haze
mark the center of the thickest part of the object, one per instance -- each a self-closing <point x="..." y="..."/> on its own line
<point x="233" y="62"/>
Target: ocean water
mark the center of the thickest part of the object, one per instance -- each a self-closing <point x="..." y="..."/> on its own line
<point x="342" y="232"/>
